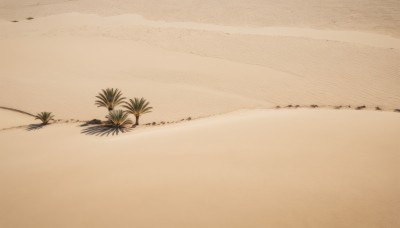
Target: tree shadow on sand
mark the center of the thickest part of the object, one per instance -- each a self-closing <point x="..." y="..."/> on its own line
<point x="104" y="130"/>
<point x="34" y="127"/>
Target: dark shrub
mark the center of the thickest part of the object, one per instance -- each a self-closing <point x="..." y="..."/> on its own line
<point x="94" y="121"/>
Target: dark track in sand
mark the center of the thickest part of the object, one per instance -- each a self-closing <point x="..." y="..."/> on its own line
<point x="17" y="110"/>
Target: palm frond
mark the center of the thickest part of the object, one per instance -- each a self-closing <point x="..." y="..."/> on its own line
<point x="109" y="98"/>
<point x="137" y="107"/>
<point x="118" y="118"/>
<point x="45" y="117"/>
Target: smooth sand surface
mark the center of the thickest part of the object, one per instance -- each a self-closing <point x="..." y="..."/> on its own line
<point x="278" y="168"/>
<point x="217" y="69"/>
<point x="380" y="16"/>
<point x="11" y="119"/>
<point x="209" y="60"/>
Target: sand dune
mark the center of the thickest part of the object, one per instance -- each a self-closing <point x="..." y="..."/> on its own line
<point x="281" y="168"/>
<point x="208" y="60"/>
<point x="217" y="72"/>
<point x="11" y="119"/>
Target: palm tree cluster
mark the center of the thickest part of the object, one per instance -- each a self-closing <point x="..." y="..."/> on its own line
<point x="110" y="98"/>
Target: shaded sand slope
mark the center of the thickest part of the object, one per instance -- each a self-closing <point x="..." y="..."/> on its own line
<point x="11" y="119"/>
<point x="63" y="74"/>
<point x="188" y="65"/>
<point x="186" y="69"/>
<point x="302" y="168"/>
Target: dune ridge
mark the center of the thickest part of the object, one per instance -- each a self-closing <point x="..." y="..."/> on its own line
<point x="17" y="110"/>
<point x="5" y="121"/>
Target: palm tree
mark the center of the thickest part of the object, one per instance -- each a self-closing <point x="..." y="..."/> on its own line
<point x="109" y="98"/>
<point x="45" y="117"/>
<point x="119" y="118"/>
<point x="138" y="107"/>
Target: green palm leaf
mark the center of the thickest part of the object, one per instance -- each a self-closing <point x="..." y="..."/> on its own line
<point x="109" y="98"/>
<point x="137" y="107"/>
<point x="45" y="117"/>
<point x="119" y="118"/>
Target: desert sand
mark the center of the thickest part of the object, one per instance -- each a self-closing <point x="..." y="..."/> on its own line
<point x="239" y="162"/>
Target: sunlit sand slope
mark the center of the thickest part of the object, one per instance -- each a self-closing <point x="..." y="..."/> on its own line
<point x="282" y="168"/>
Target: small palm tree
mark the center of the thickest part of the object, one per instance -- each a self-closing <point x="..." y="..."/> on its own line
<point x="138" y="107"/>
<point x="118" y="118"/>
<point x="45" y="117"/>
<point x="110" y="98"/>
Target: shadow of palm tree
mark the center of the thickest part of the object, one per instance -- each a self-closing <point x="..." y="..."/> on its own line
<point x="104" y="130"/>
<point x="33" y="127"/>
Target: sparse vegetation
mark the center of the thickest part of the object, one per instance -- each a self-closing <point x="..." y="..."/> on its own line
<point x="138" y="107"/>
<point x="119" y="119"/>
<point x="93" y="122"/>
<point x="109" y="98"/>
<point x="45" y="117"/>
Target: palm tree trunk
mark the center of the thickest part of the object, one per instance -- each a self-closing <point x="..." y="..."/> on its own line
<point x="137" y="120"/>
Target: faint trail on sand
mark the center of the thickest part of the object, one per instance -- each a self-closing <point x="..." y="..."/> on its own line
<point x="17" y="110"/>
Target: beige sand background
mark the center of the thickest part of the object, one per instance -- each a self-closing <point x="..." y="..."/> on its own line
<point x="202" y="59"/>
<point x="304" y="168"/>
